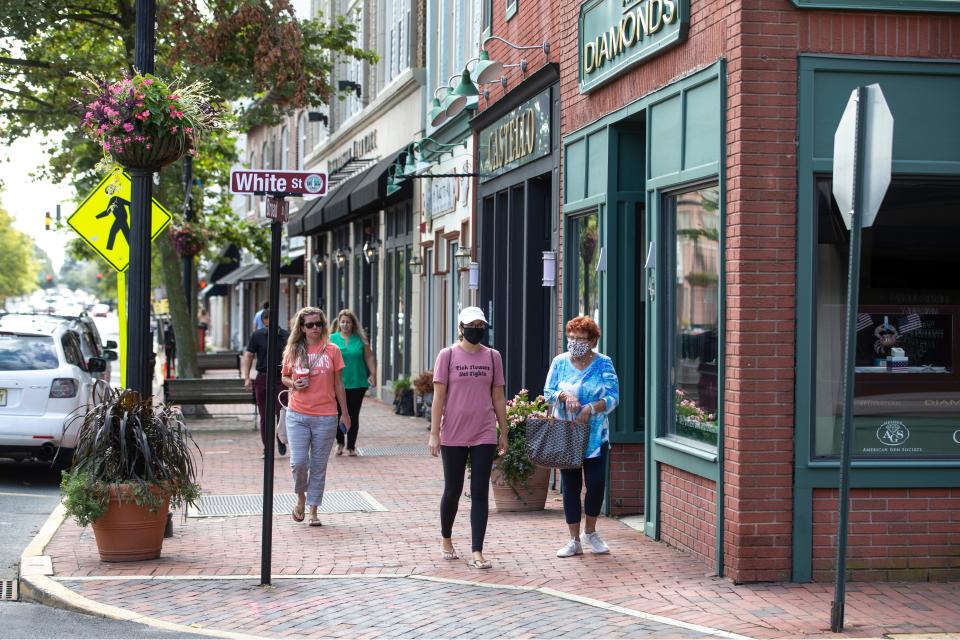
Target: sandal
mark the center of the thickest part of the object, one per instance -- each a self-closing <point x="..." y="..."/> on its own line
<point x="298" y="514"/>
<point x="315" y="522"/>
<point x="450" y="554"/>
<point x="473" y="563"/>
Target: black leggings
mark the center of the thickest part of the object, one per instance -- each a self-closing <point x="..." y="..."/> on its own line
<point x="454" y="466"/>
<point x="354" y="400"/>
<point x="594" y="471"/>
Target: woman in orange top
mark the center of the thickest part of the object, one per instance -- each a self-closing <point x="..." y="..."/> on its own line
<point x="311" y="370"/>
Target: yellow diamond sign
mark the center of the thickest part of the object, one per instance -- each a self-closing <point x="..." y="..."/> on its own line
<point x="103" y="219"/>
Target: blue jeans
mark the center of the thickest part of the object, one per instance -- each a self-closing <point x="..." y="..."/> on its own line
<point x="311" y="438"/>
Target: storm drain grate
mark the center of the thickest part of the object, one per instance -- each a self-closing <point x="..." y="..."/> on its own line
<point x="404" y="450"/>
<point x="252" y="505"/>
<point x="8" y="590"/>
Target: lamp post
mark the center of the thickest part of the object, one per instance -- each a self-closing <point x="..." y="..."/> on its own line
<point x="415" y="264"/>
<point x="462" y="257"/>
<point x="371" y="250"/>
<point x="138" y="282"/>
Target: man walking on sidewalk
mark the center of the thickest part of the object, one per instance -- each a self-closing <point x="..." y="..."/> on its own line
<point x="257" y="349"/>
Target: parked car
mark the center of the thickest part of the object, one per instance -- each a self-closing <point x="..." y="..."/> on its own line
<point x="90" y="343"/>
<point x="44" y="377"/>
<point x="100" y="310"/>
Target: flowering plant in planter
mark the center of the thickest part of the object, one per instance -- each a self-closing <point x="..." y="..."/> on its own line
<point x="515" y="465"/>
<point x="144" y="122"/>
<point x="693" y="420"/>
<point x="189" y="239"/>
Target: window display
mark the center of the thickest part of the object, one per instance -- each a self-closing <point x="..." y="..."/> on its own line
<point x="906" y="384"/>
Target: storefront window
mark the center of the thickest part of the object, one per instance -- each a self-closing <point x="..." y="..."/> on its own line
<point x="585" y="247"/>
<point x="906" y="385"/>
<point x="454" y="275"/>
<point x="695" y="221"/>
<point x="398" y="284"/>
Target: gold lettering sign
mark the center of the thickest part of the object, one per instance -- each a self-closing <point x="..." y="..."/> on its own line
<point x="513" y="140"/>
<point x="611" y="41"/>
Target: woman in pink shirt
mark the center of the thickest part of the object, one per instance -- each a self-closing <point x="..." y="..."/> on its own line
<point x="311" y="370"/>
<point x="468" y="404"/>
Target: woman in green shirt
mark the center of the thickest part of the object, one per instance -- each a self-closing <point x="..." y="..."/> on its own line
<point x="359" y="373"/>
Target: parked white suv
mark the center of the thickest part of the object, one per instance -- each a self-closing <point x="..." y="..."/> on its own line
<point x="44" y="377"/>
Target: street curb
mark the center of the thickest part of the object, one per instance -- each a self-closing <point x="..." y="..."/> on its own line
<point x="37" y="585"/>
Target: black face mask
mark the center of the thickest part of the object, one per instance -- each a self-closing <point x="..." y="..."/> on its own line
<point x="474" y="335"/>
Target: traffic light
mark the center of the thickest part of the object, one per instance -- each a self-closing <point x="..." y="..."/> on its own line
<point x="48" y="220"/>
<point x="49" y="277"/>
<point x="99" y="277"/>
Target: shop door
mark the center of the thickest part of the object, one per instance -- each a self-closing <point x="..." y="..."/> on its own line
<point x="514" y="233"/>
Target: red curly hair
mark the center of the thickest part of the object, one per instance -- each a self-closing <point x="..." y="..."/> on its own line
<point x="585" y="325"/>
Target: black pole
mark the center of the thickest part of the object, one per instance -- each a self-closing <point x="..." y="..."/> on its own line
<point x="271" y="400"/>
<point x="188" y="216"/>
<point x="138" y="276"/>
<point x="850" y="349"/>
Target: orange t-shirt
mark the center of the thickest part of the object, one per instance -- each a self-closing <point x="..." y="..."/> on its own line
<point x="319" y="398"/>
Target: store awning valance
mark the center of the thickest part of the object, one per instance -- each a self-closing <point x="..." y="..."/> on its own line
<point x="337" y="206"/>
<point x="371" y="192"/>
<point x="228" y="260"/>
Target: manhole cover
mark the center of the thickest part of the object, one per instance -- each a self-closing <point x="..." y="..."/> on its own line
<point x="8" y="590"/>
<point x="404" y="450"/>
<point x="252" y="505"/>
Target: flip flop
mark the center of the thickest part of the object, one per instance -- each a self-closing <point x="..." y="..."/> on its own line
<point x="450" y="555"/>
<point x="473" y="563"/>
<point x="315" y="522"/>
<point x="298" y="514"/>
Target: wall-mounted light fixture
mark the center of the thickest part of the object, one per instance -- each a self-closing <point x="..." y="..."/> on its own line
<point x="415" y="264"/>
<point x="549" y="268"/>
<point x="371" y="250"/>
<point x="473" y="281"/>
<point x="317" y="116"/>
<point x="342" y="255"/>
<point x="487" y="71"/>
<point x="462" y="257"/>
<point x="320" y="262"/>
<point x="300" y="283"/>
<point x="349" y="85"/>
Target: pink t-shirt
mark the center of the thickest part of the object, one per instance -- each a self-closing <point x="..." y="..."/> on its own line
<point x="319" y="398"/>
<point x="468" y="416"/>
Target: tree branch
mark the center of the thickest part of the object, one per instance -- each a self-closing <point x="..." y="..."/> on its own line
<point x="19" y="62"/>
<point x="26" y="96"/>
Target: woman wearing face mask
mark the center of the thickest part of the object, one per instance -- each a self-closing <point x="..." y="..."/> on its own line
<point x="468" y="404"/>
<point x="584" y="386"/>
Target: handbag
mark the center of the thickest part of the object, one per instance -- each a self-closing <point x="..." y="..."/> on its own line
<point x="282" y="422"/>
<point x="556" y="442"/>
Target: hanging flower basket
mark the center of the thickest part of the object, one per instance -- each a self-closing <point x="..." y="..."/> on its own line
<point x="188" y="239"/>
<point x="145" y="123"/>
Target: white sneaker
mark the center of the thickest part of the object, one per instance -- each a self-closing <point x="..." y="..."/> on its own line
<point x="572" y="548"/>
<point x="595" y="542"/>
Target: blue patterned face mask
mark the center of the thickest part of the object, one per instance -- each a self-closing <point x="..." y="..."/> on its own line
<point x="577" y="348"/>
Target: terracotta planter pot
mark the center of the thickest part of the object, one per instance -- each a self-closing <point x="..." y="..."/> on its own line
<point x="531" y="496"/>
<point x="128" y="532"/>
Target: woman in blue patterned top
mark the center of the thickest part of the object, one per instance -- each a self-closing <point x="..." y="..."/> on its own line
<point x="584" y="385"/>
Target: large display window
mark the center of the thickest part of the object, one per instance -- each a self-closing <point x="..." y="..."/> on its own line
<point x="906" y="383"/>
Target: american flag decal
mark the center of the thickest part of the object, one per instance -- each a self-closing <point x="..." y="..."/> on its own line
<point x="864" y="321"/>
<point x="911" y="323"/>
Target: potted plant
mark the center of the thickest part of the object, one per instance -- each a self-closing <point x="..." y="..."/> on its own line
<point x="423" y="385"/>
<point x="518" y="484"/>
<point x="188" y="239"/>
<point x="692" y="420"/>
<point x="402" y="396"/>
<point x="132" y="459"/>
<point x="146" y="123"/>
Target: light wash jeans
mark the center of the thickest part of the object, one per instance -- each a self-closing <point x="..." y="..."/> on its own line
<point x="311" y="438"/>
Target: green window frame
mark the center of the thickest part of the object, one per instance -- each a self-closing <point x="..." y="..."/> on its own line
<point x="916" y="6"/>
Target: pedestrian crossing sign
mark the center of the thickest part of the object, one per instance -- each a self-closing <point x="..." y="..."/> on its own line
<point x="103" y="219"/>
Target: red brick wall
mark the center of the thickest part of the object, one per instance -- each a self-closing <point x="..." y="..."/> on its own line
<point x="688" y="513"/>
<point x="894" y="534"/>
<point x="626" y="478"/>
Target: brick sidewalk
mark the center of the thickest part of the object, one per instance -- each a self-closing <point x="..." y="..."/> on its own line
<point x="640" y="575"/>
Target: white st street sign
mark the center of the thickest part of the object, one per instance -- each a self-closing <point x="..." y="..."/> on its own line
<point x="877" y="154"/>
<point x="290" y="183"/>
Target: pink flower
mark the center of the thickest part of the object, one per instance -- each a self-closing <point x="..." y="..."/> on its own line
<point x="173" y="129"/>
<point x="147" y="81"/>
<point x="127" y="127"/>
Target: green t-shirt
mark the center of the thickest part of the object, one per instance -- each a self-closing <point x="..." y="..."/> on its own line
<point x="355" y="367"/>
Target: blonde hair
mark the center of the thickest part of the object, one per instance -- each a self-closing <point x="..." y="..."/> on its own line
<point x="296" y="350"/>
<point x="357" y="327"/>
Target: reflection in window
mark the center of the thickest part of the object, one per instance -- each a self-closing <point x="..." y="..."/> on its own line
<point x="696" y="313"/>
<point x="906" y="383"/>
<point x="585" y="242"/>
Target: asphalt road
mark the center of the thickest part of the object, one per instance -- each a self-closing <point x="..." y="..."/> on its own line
<point x="25" y="620"/>
<point x="29" y="491"/>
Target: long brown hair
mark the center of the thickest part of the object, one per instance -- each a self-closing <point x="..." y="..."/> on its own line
<point x="296" y="350"/>
<point x="357" y="327"/>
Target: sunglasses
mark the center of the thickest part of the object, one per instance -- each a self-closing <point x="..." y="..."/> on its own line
<point x="312" y="325"/>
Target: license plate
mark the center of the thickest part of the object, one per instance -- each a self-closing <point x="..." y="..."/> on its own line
<point x="3" y="397"/>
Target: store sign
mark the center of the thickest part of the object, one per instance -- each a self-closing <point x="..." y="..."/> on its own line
<point x="360" y="148"/>
<point x="517" y="138"/>
<point x="442" y="196"/>
<point x="616" y="35"/>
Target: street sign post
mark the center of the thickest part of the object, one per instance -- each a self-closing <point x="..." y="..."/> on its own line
<point x="276" y="185"/>
<point x="862" y="160"/>
<point x="103" y="219"/>
<point x="287" y="183"/>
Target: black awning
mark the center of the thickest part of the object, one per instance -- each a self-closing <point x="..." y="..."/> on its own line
<point x="214" y="290"/>
<point x="371" y="193"/>
<point x="237" y="275"/>
<point x="337" y="206"/>
<point x="308" y="218"/>
<point x="293" y="268"/>
<point x="226" y="261"/>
